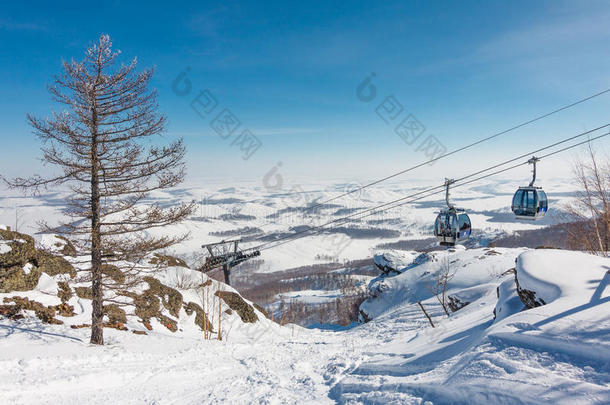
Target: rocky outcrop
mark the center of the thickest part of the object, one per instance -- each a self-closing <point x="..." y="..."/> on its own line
<point x="201" y="319"/>
<point x="160" y="295"/>
<point x="455" y="304"/>
<point x="528" y="297"/>
<point x="148" y="304"/>
<point x="14" y="306"/>
<point x="22" y="266"/>
<point x="238" y="304"/>
<point x="167" y="261"/>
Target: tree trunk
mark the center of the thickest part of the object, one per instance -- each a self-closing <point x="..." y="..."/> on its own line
<point x="97" y="315"/>
<point x="444" y="303"/>
<point x="425" y="313"/>
<point x="226" y="271"/>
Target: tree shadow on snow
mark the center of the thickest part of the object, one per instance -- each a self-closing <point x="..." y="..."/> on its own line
<point x="596" y="299"/>
<point x="461" y="342"/>
<point x="37" y="334"/>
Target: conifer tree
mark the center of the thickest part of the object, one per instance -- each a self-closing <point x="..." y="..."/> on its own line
<point x="107" y="147"/>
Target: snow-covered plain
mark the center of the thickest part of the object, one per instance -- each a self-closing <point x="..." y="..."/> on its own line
<point x="558" y="353"/>
<point x="252" y="210"/>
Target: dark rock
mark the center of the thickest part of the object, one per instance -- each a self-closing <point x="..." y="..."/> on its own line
<point x="115" y="314"/>
<point x="168" y="261"/>
<point x="528" y="297"/>
<point x="455" y="304"/>
<point x="201" y="318"/>
<point x="237" y="304"/>
<point x="67" y="248"/>
<point x="45" y="314"/>
<point x="171" y="298"/>
<point x="64" y="293"/>
<point x="84" y="292"/>
<point x="113" y="272"/>
<point x="364" y="318"/>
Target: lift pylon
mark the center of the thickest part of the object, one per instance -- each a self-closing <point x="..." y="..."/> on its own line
<point x="225" y="254"/>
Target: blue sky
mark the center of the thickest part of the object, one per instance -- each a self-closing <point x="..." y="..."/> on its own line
<point x="289" y="72"/>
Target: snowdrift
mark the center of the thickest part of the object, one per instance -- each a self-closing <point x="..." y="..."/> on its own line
<point x="495" y="349"/>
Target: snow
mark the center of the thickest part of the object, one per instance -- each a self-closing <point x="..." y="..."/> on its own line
<point x="561" y="274"/>
<point x="46" y="285"/>
<point x="4" y="247"/>
<point x="50" y="242"/>
<point x="558" y="353"/>
<point x="476" y="271"/>
<point x="509" y="302"/>
<point x="27" y="268"/>
<point x="310" y="296"/>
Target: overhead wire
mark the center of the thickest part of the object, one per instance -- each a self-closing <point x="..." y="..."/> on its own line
<point x="488" y="138"/>
<point x="493" y="136"/>
<point x="433" y="190"/>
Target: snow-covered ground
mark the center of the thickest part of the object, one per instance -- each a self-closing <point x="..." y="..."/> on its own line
<point x="558" y="353"/>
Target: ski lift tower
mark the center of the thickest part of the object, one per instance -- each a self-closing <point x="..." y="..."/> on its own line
<point x="226" y="254"/>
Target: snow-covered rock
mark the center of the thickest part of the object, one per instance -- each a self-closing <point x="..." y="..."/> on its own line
<point x="555" y="274"/>
<point x="173" y="299"/>
<point x="509" y="302"/>
<point x="4" y="247"/>
<point x="476" y="270"/>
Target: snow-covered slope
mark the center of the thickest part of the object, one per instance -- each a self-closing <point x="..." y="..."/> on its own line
<point x="556" y="353"/>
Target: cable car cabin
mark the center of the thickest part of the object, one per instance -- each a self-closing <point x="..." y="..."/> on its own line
<point x="530" y="203"/>
<point x="452" y="227"/>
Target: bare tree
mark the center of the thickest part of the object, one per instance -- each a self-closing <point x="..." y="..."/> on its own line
<point x="106" y="147"/>
<point x="589" y="212"/>
<point x="439" y="284"/>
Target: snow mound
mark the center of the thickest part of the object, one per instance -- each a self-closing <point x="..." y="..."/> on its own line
<point x="509" y="302"/>
<point x="5" y="247"/>
<point x="563" y="275"/>
<point x="556" y="353"/>
<point x="394" y="261"/>
<point x="474" y="270"/>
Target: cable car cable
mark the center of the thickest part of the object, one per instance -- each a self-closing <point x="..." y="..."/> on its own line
<point x="443" y="186"/>
<point x="401" y="202"/>
<point x="431" y="191"/>
<point x="538" y="118"/>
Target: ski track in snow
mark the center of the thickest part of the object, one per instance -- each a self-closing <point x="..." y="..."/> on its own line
<point x="187" y="372"/>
